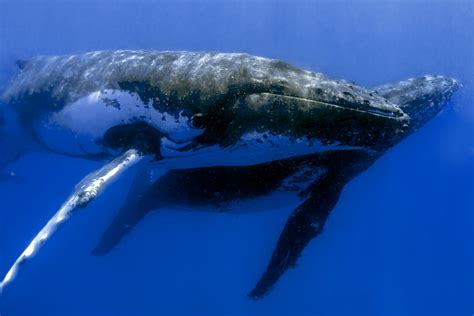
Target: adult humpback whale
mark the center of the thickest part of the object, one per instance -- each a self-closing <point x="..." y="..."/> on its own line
<point x="235" y="124"/>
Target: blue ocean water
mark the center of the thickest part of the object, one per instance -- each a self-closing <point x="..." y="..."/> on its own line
<point x="399" y="242"/>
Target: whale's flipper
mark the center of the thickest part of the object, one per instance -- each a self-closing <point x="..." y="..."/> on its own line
<point x="214" y="186"/>
<point x="305" y="223"/>
<point x="84" y="192"/>
<point x="308" y="219"/>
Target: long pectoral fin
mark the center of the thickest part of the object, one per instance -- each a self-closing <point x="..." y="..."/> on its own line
<point x="88" y="189"/>
<point x="305" y="223"/>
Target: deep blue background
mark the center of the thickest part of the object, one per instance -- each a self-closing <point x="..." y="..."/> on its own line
<point x="399" y="242"/>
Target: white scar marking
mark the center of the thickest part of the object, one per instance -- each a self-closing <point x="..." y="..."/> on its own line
<point x="82" y="124"/>
<point x="84" y="192"/>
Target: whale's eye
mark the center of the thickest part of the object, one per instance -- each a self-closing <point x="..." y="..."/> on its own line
<point x="197" y="120"/>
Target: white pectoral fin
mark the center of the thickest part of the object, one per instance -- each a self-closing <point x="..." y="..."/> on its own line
<point x="84" y="192"/>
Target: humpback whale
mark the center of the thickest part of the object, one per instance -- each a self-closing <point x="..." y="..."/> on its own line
<point x="226" y="126"/>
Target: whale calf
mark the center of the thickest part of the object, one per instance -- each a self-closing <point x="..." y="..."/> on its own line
<point x="226" y="125"/>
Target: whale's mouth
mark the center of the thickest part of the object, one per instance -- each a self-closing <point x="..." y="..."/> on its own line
<point x="387" y="111"/>
<point x="372" y="125"/>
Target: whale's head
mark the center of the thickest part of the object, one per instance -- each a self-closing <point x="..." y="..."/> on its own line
<point x="420" y="98"/>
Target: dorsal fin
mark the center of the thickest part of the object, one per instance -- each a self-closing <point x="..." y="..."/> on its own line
<point x="21" y="63"/>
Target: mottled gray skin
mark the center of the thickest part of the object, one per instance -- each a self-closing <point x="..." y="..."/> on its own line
<point x="211" y="75"/>
<point x="228" y="95"/>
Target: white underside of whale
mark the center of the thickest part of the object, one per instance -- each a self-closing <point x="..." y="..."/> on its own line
<point x="78" y="128"/>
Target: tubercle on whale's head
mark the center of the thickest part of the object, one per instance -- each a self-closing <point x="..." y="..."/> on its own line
<point x="420" y="98"/>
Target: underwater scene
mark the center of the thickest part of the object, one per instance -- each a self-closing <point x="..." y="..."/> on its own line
<point x="261" y="157"/>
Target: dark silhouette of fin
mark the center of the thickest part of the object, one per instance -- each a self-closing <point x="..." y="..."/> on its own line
<point x="211" y="186"/>
<point x="134" y="209"/>
<point x="305" y="223"/>
<point x="192" y="187"/>
<point x="308" y="219"/>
